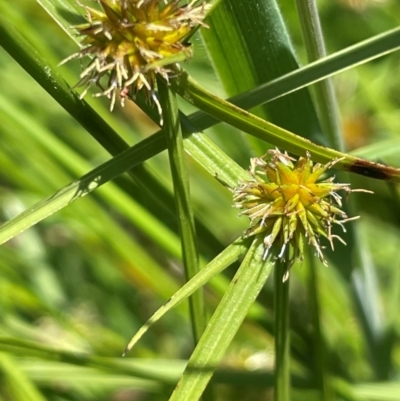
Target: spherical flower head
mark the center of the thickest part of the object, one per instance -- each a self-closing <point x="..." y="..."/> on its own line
<point x="133" y="40"/>
<point x="289" y="204"/>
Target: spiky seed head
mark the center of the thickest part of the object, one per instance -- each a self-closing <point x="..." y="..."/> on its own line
<point x="290" y="205"/>
<point x="132" y="41"/>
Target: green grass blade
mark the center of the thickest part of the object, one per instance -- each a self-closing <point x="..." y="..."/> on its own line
<point x="156" y="140"/>
<point x="222" y="110"/>
<point x="200" y="147"/>
<point x="346" y="391"/>
<point x="79" y="188"/>
<point x="133" y="367"/>
<point x="320" y="368"/>
<point x="328" y="113"/>
<point x="66" y="13"/>
<point x="281" y="331"/>
<point x="224" y="324"/>
<point x="312" y="73"/>
<point x="180" y="177"/>
<point x="324" y="93"/>
<point x="15" y="385"/>
<point x="350" y="57"/>
<point x="384" y="391"/>
<point x="364" y="275"/>
<point x="249" y="40"/>
<point x="214" y="160"/>
<point x="253" y="125"/>
<point x="366" y="294"/>
<point x="379" y="150"/>
<point x="345" y="59"/>
<point x="85" y="383"/>
<point x="71" y="160"/>
<point x="230" y="254"/>
<point x="52" y="81"/>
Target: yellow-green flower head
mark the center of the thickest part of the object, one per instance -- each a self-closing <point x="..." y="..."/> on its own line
<point x="133" y="40"/>
<point x="289" y="204"/>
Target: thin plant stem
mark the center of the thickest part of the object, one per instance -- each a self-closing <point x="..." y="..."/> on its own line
<point x="174" y="139"/>
<point x="318" y="343"/>
<point x="51" y="81"/>
<point x="328" y="114"/>
<point x="315" y="45"/>
<point x="224" y="324"/>
<point x="282" y="331"/>
<point x="363" y="274"/>
<point x="192" y="92"/>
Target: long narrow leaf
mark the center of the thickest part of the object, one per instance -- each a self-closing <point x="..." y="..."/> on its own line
<point x="222" y="261"/>
<point x="15" y="384"/>
<point x="253" y="125"/>
<point x="180" y="177"/>
<point x="216" y="107"/>
<point x="78" y="189"/>
<point x="225" y="322"/>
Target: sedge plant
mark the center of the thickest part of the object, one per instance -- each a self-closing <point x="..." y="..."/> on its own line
<point x="140" y="51"/>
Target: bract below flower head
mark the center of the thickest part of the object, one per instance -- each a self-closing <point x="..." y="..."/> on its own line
<point x="134" y="40"/>
<point x="289" y="204"/>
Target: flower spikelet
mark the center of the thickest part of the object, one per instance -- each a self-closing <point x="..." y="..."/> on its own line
<point x="133" y="40"/>
<point x="289" y="204"/>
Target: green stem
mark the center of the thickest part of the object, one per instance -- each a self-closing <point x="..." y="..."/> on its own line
<point x="362" y="268"/>
<point x="350" y="57"/>
<point x="231" y="254"/>
<point x="318" y="343"/>
<point x="52" y="82"/>
<point x="315" y="45"/>
<point x="174" y="138"/>
<point x="329" y="117"/>
<point x="222" y="110"/>
<point x="282" y="332"/>
<point x="224" y="324"/>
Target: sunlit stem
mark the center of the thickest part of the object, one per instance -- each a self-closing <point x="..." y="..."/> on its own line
<point x="174" y="139"/>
